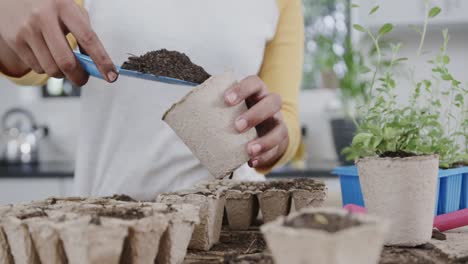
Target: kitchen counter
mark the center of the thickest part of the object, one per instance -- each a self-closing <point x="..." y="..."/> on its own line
<point x="40" y="170"/>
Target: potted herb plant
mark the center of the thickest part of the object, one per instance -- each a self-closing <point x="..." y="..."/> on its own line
<point x="398" y="149"/>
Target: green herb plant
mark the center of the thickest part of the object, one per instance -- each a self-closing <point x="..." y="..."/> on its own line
<point x="387" y="129"/>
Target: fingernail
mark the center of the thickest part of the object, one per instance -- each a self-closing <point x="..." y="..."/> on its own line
<point x="255" y="149"/>
<point x="241" y="124"/>
<point x="112" y="76"/>
<point x="254" y="163"/>
<point x="231" y="97"/>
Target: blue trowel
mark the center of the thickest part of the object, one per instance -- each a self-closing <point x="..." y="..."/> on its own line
<point x="90" y="67"/>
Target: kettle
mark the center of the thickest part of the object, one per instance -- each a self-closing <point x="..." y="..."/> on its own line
<point x="20" y="136"/>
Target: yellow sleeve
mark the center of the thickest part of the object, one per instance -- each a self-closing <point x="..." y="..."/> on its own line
<point x="282" y="70"/>
<point x="35" y="79"/>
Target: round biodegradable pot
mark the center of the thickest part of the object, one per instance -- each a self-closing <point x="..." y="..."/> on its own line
<point x="206" y="125"/>
<point x="360" y="244"/>
<point x="402" y="190"/>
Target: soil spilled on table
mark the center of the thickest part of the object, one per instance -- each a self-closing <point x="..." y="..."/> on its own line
<point x="426" y="254"/>
<point x="167" y="63"/>
<point x="329" y="222"/>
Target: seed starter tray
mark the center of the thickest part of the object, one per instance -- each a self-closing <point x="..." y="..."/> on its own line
<point x="452" y="194"/>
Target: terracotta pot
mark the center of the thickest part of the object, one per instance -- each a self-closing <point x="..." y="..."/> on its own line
<point x="241" y="209"/>
<point x="355" y="245"/>
<point x="211" y="205"/>
<point x="206" y="125"/>
<point x="274" y="203"/>
<point x="402" y="190"/>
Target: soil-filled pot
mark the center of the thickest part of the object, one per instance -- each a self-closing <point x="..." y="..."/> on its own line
<point x="93" y="240"/>
<point x="326" y="236"/>
<point x="241" y="209"/>
<point x="307" y="198"/>
<point x="46" y="238"/>
<point x="206" y="125"/>
<point x="175" y="241"/>
<point x="20" y="242"/>
<point x="402" y="190"/>
<point x="211" y="205"/>
<point x="5" y="253"/>
<point x="274" y="203"/>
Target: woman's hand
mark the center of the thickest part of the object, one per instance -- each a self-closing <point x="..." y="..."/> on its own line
<point x="265" y="115"/>
<point x="33" y="32"/>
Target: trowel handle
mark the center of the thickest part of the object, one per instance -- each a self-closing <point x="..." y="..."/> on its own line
<point x="355" y="209"/>
<point x="451" y="220"/>
<point x="443" y="222"/>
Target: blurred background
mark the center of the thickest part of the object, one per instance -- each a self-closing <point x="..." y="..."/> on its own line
<point x="40" y="124"/>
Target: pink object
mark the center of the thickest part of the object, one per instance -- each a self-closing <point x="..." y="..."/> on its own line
<point x="441" y="222"/>
<point x="355" y="209"/>
<point x="451" y="220"/>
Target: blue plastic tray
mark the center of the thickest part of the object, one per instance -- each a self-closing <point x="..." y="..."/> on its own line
<point x="452" y="194"/>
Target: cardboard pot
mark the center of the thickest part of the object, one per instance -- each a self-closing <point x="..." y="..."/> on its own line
<point x="93" y="240"/>
<point x="176" y="238"/>
<point x="206" y="125"/>
<point x="274" y="203"/>
<point x="308" y="198"/>
<point x="5" y="253"/>
<point x="46" y="238"/>
<point x="20" y="242"/>
<point x="211" y="205"/>
<point x="402" y="190"/>
<point x="355" y="245"/>
<point x="241" y="209"/>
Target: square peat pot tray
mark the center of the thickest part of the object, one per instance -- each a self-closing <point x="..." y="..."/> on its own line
<point x="452" y="194"/>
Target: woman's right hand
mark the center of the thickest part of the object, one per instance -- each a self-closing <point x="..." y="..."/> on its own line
<point x="32" y="36"/>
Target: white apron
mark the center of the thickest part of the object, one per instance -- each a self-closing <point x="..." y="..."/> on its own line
<point x="124" y="146"/>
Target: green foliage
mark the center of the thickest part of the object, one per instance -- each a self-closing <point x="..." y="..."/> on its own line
<point x="386" y="127"/>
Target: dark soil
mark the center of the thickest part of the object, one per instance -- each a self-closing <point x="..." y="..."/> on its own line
<point x="397" y="154"/>
<point x="39" y="213"/>
<point x="308" y="184"/>
<point x="122" y="213"/>
<point x="426" y="254"/>
<point x="233" y="247"/>
<point x="329" y="222"/>
<point x="122" y="198"/>
<point x="167" y="63"/>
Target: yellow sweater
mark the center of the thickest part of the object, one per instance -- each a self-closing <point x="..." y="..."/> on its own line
<point x="281" y="69"/>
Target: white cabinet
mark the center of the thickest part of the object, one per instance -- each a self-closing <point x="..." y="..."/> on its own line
<point x="402" y="13"/>
<point x="15" y="190"/>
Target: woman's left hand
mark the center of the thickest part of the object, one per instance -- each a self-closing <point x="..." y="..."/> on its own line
<point x="265" y="115"/>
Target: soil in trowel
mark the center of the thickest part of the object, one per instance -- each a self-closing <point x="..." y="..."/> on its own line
<point x="167" y="63"/>
<point x="328" y="222"/>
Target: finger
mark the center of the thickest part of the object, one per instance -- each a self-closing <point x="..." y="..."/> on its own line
<point x="63" y="55"/>
<point x="43" y="55"/>
<point x="78" y="24"/>
<point x="258" y="113"/>
<point x="251" y="85"/>
<point x="265" y="159"/>
<point x="268" y="141"/>
<point x="25" y="53"/>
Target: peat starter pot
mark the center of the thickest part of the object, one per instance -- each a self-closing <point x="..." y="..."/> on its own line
<point x="402" y="190"/>
<point x="325" y="235"/>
